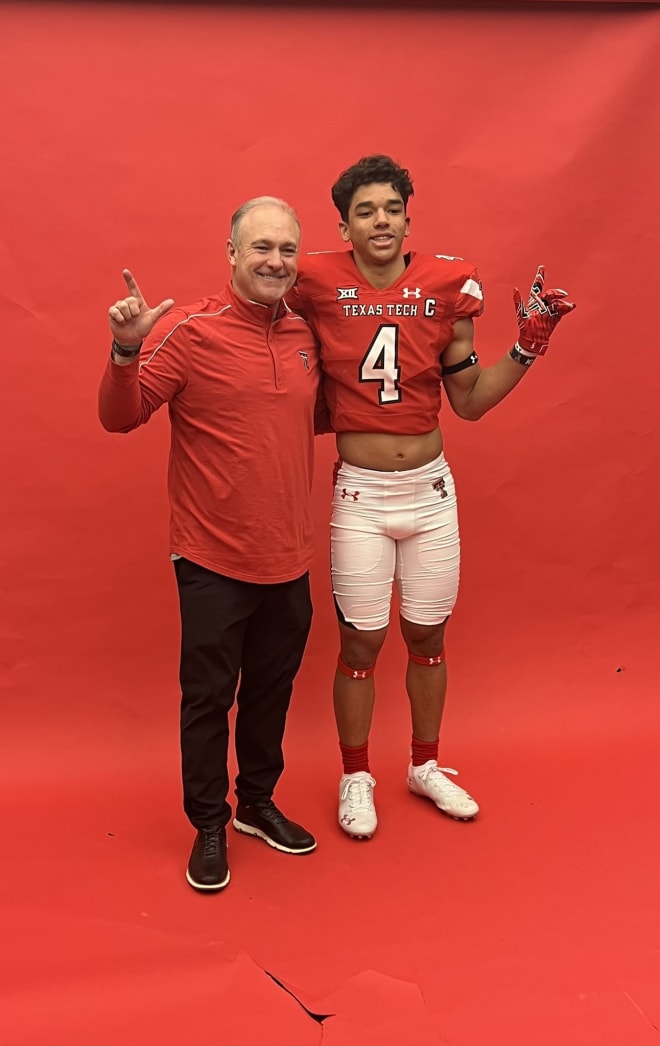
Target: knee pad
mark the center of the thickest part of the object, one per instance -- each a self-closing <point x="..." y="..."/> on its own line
<point x="355" y="673"/>
<point x="428" y="661"/>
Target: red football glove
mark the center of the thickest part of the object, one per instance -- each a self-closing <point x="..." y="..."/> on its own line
<point x="538" y="319"/>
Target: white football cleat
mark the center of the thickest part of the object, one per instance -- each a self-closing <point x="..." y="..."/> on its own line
<point x="429" y="780"/>
<point x="357" y="813"/>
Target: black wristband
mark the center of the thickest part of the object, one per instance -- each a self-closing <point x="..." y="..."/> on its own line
<point x="127" y="351"/>
<point x="521" y="357"/>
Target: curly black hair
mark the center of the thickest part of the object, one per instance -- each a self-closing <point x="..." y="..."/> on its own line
<point x="370" y="169"/>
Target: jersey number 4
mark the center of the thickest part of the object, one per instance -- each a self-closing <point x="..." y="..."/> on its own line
<point x="381" y="363"/>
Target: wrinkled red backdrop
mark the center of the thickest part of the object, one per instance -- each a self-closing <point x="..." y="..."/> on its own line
<point x="130" y="134"/>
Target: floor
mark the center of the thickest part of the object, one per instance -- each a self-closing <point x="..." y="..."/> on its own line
<point x="535" y="925"/>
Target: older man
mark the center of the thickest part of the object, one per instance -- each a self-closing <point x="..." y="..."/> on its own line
<point x="240" y="374"/>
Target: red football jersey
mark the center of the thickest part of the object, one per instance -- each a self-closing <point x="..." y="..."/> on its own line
<point x="381" y="349"/>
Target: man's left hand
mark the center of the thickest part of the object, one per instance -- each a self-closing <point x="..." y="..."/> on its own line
<point x="539" y="317"/>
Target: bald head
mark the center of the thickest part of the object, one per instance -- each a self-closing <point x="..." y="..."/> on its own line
<point x="263" y="250"/>
<point x="250" y="205"/>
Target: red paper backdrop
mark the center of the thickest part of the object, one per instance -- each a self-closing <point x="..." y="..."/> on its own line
<point x="129" y="134"/>
<point x="132" y="132"/>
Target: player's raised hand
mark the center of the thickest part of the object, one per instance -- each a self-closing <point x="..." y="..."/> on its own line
<point x="538" y="318"/>
<point x="130" y="318"/>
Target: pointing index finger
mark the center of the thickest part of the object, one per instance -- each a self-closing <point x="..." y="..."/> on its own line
<point x="131" y="283"/>
<point x="537" y="285"/>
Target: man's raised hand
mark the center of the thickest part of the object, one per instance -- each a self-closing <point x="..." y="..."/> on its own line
<point x="539" y="317"/>
<point x="130" y="318"/>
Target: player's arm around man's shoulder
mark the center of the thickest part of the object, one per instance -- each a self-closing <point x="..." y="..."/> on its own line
<point x="473" y="390"/>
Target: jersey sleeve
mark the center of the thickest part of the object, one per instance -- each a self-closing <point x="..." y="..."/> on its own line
<point x="300" y="298"/>
<point x="470" y="298"/>
<point x="295" y="299"/>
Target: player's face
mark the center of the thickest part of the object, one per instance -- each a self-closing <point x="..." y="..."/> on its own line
<point x="264" y="261"/>
<point x="377" y="224"/>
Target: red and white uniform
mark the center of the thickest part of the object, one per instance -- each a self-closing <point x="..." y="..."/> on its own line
<point x="381" y="358"/>
<point x="241" y="387"/>
<point x="381" y="349"/>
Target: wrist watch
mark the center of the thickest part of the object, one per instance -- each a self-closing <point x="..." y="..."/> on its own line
<point x="127" y="351"/>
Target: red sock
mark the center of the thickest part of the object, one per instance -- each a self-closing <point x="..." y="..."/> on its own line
<point x="422" y="751"/>
<point x="355" y="759"/>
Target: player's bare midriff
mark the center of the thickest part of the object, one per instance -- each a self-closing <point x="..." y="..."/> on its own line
<point x="385" y="452"/>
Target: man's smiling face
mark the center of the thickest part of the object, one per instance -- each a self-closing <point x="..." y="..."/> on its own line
<point x="264" y="259"/>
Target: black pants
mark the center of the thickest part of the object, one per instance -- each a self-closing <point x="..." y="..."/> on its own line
<point x="232" y="629"/>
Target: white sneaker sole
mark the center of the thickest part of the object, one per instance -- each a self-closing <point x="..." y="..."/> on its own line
<point x="248" y="829"/>
<point x="203" y="886"/>
<point x="454" y="817"/>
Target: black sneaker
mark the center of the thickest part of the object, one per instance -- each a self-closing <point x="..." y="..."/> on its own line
<point x="268" y="823"/>
<point x="207" y="867"/>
